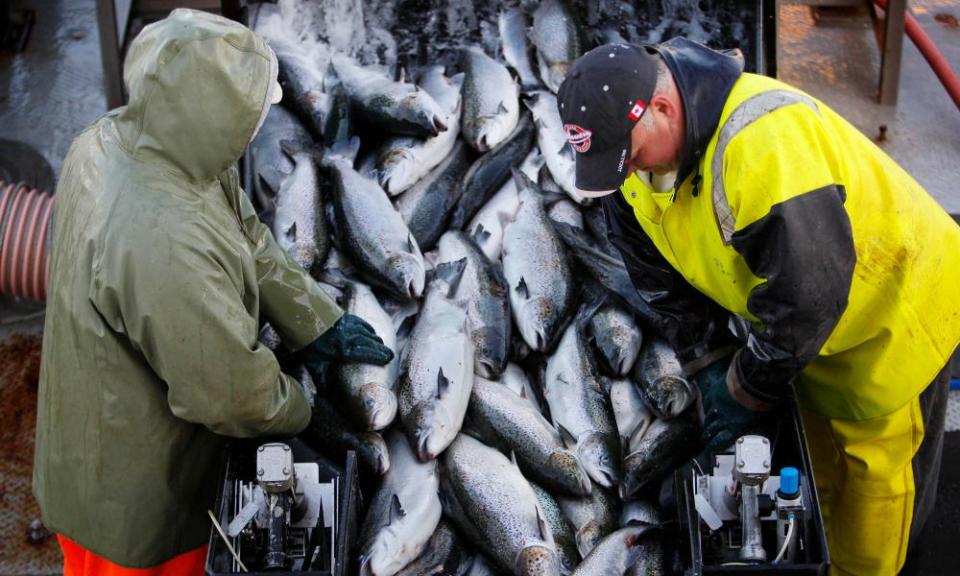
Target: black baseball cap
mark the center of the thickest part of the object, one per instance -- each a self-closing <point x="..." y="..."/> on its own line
<point x="603" y="96"/>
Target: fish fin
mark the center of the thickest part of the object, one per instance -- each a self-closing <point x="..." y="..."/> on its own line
<point x="290" y="148"/>
<point x="457" y="80"/>
<point x="521" y="180"/>
<point x="540" y="123"/>
<point x="396" y="510"/>
<point x="451" y="273"/>
<point x="410" y="243"/>
<point x="480" y="235"/>
<point x="522" y="288"/>
<point x="566" y="151"/>
<point x="346" y="149"/>
<point x="545" y="533"/>
<point x="443" y="384"/>
<point x="401" y="74"/>
<point x="291" y="232"/>
<point x="568" y="440"/>
<point x="501" y="108"/>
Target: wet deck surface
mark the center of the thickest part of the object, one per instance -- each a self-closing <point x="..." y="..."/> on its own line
<point x="53" y="91"/>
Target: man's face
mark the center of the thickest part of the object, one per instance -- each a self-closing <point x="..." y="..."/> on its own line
<point x="655" y="143"/>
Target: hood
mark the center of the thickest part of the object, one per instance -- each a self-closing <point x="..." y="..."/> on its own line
<point x="704" y="79"/>
<point x="198" y="84"/>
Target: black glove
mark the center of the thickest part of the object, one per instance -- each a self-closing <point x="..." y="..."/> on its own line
<point x="350" y="339"/>
<point x="724" y="418"/>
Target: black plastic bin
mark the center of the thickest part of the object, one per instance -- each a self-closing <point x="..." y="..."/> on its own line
<point x="790" y="449"/>
<point x="239" y="463"/>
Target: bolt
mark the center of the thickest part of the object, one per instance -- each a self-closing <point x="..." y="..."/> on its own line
<point x="260" y="449"/>
<point x="286" y="448"/>
<point x="740" y="440"/>
<point x="260" y="472"/>
<point x="286" y="470"/>
<point x="741" y="464"/>
<point x="765" y="441"/>
<point x="766" y="464"/>
<point x="883" y="133"/>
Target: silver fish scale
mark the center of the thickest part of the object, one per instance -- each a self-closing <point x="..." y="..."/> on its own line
<point x="520" y="427"/>
<point x="534" y="253"/>
<point x="512" y="24"/>
<point x="560" y="527"/>
<point x="354" y="379"/>
<point x="556" y="150"/>
<point x="299" y="225"/>
<point x="372" y="230"/>
<point x="491" y="100"/>
<point x="592" y="517"/>
<point x="496" y="498"/>
<point x="615" y="554"/>
<point x="618" y="338"/>
<point x="557" y="41"/>
<point x="661" y="378"/>
<point x="415" y="486"/>
<point x="488" y="307"/>
<point x="574" y="390"/>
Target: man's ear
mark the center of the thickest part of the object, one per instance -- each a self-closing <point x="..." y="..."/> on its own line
<point x="665" y="106"/>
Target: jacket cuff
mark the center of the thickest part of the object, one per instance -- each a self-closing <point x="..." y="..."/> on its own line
<point x="738" y="390"/>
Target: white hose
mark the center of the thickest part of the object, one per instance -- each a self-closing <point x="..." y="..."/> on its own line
<point x="786" y="541"/>
<point x="226" y="540"/>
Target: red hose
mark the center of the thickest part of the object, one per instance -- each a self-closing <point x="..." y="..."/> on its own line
<point x="25" y="215"/>
<point x="931" y="53"/>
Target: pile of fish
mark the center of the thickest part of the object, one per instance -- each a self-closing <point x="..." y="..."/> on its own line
<point x="531" y="412"/>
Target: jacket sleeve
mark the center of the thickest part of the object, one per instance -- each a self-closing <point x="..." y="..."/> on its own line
<point x="178" y="296"/>
<point x="794" y="233"/>
<point x="290" y="299"/>
<point x="693" y="324"/>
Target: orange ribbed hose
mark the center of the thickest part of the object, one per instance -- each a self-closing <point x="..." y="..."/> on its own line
<point x="42" y="262"/>
<point x="6" y="254"/>
<point x="30" y="258"/>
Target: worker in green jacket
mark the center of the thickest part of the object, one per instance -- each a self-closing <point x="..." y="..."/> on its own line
<point x="161" y="276"/>
<point x="733" y="194"/>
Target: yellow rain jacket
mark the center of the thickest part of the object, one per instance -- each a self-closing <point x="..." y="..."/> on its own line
<point x="160" y="277"/>
<point x="846" y="270"/>
<point x="845" y="276"/>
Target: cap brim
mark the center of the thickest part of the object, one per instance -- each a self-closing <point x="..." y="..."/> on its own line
<point x="601" y="172"/>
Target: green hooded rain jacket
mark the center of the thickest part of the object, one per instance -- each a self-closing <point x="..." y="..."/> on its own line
<point x="160" y="277"/>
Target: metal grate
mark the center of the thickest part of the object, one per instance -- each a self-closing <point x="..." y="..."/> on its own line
<point x="19" y="374"/>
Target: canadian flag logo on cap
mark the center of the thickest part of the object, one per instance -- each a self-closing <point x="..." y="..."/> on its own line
<point x="637" y="110"/>
<point x="578" y="137"/>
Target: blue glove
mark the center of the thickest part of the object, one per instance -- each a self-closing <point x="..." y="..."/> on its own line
<point x="350" y="339"/>
<point x="724" y="418"/>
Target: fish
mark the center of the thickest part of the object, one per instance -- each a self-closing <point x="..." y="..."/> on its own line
<point x="640" y="511"/>
<point x="498" y="502"/>
<point x="555" y="35"/>
<point x="630" y="412"/>
<point x="299" y="223"/>
<point x="371" y="233"/>
<point x="661" y="379"/>
<point x="556" y="149"/>
<point x="560" y="528"/>
<point x="512" y="24"/>
<point x="516" y="380"/>
<point x="666" y="445"/>
<point x="618" y="338"/>
<point x="487" y="226"/>
<point x="592" y="517"/>
<point x="650" y="560"/>
<point x="388" y="106"/>
<point x="445" y="554"/>
<point x="481" y="567"/>
<point x="519" y="428"/>
<point x="366" y="391"/>
<point x="269" y="164"/>
<point x="581" y="408"/>
<point x="606" y="267"/>
<point x="537" y="270"/>
<point x="436" y="375"/>
<point x="491" y="101"/>
<point x="565" y="211"/>
<point x="483" y="290"/>
<point x="426" y="207"/>
<point x="303" y="85"/>
<point x="331" y="434"/>
<point x="615" y="554"/>
<point x="404" y="513"/>
<point x="490" y="171"/>
<point x="404" y="160"/>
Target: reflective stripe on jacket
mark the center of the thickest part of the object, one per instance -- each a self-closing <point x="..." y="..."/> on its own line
<point x="160" y="277"/>
<point x="846" y="269"/>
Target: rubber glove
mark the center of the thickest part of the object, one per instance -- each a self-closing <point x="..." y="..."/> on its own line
<point x="724" y="418"/>
<point x="350" y="339"/>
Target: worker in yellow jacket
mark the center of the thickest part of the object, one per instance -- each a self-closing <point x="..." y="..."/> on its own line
<point x="726" y="188"/>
